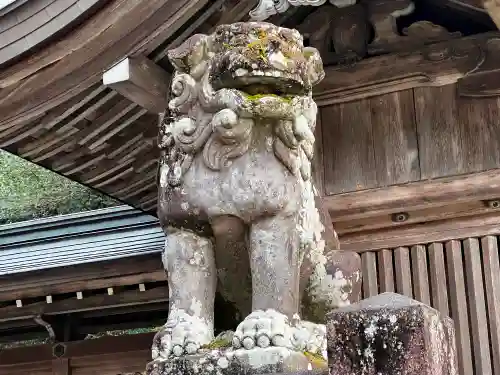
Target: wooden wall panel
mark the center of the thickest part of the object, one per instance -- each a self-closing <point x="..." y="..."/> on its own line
<point x="409" y="135"/>
<point x="348" y="147"/>
<point x="456" y="135"/>
<point x="460" y="279"/>
<point x="370" y="143"/>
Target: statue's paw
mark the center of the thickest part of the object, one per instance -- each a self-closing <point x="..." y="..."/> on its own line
<point x="181" y="336"/>
<point x="309" y="337"/>
<point x="263" y="329"/>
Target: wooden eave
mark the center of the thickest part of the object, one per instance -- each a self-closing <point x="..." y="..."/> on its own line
<point x="57" y="113"/>
<point x="25" y="27"/>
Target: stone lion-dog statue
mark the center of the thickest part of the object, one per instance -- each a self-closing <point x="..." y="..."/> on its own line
<point x="236" y="198"/>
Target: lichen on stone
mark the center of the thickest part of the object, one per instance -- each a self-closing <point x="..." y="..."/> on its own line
<point x="317" y="359"/>
<point x="218" y="343"/>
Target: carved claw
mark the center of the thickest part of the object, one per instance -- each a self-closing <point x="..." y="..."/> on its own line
<point x="271" y="328"/>
<point x="310" y="337"/>
<point x="263" y="329"/>
<point x="182" y="334"/>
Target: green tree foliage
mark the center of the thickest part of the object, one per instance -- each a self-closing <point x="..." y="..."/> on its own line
<point x="28" y="191"/>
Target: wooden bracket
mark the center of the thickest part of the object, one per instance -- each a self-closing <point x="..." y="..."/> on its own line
<point x="141" y="81"/>
<point x="472" y="62"/>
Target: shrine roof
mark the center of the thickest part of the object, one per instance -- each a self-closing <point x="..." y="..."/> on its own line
<point x="80" y="238"/>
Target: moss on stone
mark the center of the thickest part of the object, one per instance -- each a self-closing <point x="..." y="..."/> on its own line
<point x="256" y="97"/>
<point x="123" y="332"/>
<point x="308" y="54"/>
<point x="316" y="359"/>
<point x="218" y="343"/>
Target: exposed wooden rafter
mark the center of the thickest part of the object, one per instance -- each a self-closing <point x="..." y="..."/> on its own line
<point x="141" y="81"/>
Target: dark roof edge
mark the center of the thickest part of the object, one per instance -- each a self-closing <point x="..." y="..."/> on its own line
<point x="73" y="224"/>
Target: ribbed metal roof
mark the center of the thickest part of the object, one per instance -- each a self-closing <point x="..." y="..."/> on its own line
<point x="86" y="237"/>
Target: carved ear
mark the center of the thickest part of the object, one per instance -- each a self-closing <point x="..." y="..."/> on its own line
<point x="314" y="68"/>
<point x="190" y="53"/>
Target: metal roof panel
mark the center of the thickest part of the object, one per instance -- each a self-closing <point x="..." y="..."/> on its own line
<point x="85" y="237"/>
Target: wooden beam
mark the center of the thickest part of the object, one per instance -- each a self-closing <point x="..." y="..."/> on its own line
<point x="493" y="9"/>
<point x="141" y="81"/>
<point x="426" y="215"/>
<point x="422" y="233"/>
<point x="72" y="305"/>
<point x="103" y="346"/>
<point x="100" y="275"/>
<point x="414" y="196"/>
<point x="72" y="64"/>
<point x="474" y="68"/>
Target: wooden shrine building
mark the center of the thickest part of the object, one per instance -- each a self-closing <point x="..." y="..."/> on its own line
<point x="408" y="163"/>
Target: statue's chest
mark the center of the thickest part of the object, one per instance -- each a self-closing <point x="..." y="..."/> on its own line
<point x="253" y="184"/>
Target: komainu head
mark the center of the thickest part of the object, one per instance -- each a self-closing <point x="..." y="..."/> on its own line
<point x="228" y="84"/>
<point x="260" y="58"/>
<point x="241" y="63"/>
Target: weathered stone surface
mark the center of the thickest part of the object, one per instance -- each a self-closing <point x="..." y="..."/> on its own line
<point x="236" y="197"/>
<point x="237" y="362"/>
<point x="390" y="334"/>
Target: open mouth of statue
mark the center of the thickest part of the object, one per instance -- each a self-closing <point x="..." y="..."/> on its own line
<point x="262" y="83"/>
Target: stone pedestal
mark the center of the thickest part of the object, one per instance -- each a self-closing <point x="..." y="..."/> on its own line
<point x="239" y="362"/>
<point x="390" y="334"/>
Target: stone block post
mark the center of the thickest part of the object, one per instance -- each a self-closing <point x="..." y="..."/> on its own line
<point x="390" y="334"/>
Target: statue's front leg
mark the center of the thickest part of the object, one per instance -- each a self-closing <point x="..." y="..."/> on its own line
<point x="274" y="262"/>
<point x="190" y="265"/>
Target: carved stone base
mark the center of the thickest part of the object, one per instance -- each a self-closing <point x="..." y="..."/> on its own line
<point x="241" y="362"/>
<point x="390" y="334"/>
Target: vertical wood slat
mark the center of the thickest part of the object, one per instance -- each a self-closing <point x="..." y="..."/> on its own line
<point x="477" y="308"/>
<point x="439" y="288"/>
<point x="403" y="271"/>
<point x="491" y="265"/>
<point x="386" y="271"/>
<point x="458" y="301"/>
<point x="420" y="274"/>
<point x="369" y="269"/>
